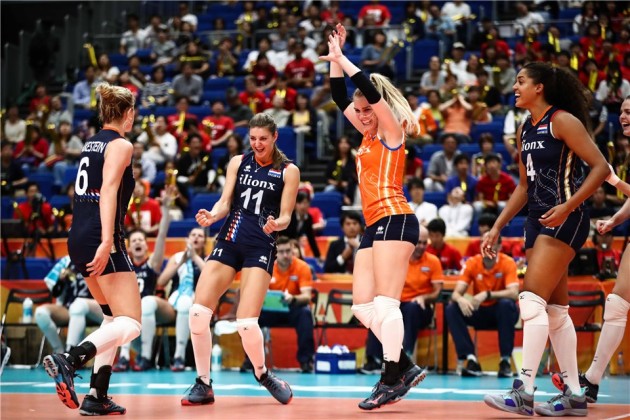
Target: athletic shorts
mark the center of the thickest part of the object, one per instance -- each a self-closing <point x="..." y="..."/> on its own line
<point x="399" y="227"/>
<point x="118" y="262"/>
<point x="573" y="232"/>
<point x="239" y="256"/>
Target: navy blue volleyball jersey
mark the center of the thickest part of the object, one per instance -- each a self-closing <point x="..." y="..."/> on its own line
<point x="257" y="195"/>
<point x="554" y="172"/>
<point x="86" y="222"/>
<point x="147" y="278"/>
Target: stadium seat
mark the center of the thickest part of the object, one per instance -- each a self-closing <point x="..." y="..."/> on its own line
<point x="58" y="201"/>
<point x="315" y="265"/>
<point x="180" y="228"/>
<point x="328" y="202"/>
<point x="203" y="201"/>
<point x="437" y="198"/>
<point x="71" y="175"/>
<point x="333" y="227"/>
<point x="287" y="142"/>
<point x="37" y="268"/>
<point x="516" y="227"/>
<point x="44" y="182"/>
<point x="423" y="50"/>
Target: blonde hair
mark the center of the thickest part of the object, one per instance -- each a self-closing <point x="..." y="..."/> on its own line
<point x="263" y="120"/>
<point x="115" y="101"/>
<point x="396" y="101"/>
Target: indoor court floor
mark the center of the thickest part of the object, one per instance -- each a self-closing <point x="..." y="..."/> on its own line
<point x="30" y="394"/>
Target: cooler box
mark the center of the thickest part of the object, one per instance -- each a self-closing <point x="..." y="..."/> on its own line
<point x="335" y="363"/>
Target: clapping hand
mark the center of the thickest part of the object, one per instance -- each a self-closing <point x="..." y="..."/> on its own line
<point x="205" y="218"/>
<point x="334" y="49"/>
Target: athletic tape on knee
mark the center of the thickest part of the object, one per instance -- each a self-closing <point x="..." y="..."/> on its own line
<point x="616" y="311"/>
<point x="365" y="313"/>
<point x="386" y="309"/>
<point x="533" y="308"/>
<point x="183" y="304"/>
<point x="79" y="308"/>
<point x="559" y="318"/>
<point x="149" y="305"/>
<point x="199" y="319"/>
<point x="129" y="328"/>
<point x="106" y="310"/>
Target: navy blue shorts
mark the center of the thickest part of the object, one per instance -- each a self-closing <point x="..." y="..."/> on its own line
<point x="399" y="227"/>
<point x="118" y="262"/>
<point x="239" y="256"/>
<point x="573" y="232"/>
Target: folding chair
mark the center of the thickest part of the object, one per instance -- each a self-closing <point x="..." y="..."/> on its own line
<point x="339" y="300"/>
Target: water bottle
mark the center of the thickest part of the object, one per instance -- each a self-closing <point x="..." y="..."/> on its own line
<point x="217" y="356"/>
<point x="27" y="311"/>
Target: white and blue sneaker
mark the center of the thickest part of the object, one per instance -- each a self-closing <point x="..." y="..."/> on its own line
<point x="516" y="401"/>
<point x="565" y="404"/>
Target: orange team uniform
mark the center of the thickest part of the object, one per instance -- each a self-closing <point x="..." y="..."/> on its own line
<point x="500" y="276"/>
<point x="421" y="276"/>
<point x="381" y="171"/>
<point x="297" y="276"/>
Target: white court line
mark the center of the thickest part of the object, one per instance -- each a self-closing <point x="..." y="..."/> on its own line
<point x="623" y="416"/>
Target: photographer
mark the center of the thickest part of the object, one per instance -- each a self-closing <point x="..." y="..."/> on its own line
<point x="35" y="212"/>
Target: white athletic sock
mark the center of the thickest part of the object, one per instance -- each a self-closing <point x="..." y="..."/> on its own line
<point x="535" y="333"/>
<point x="78" y="310"/>
<point x="615" y="318"/>
<point x="564" y="342"/>
<point x="116" y="333"/>
<point x="392" y="328"/>
<point x="149" y="308"/>
<point x="201" y="337"/>
<point x="49" y="328"/>
<point x="253" y="343"/>
<point x="182" y="334"/>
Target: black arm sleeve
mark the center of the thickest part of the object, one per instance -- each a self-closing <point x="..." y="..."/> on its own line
<point x="339" y="92"/>
<point x="366" y="87"/>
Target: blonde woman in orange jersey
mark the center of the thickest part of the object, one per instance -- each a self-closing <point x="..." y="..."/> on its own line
<point x="381" y="113"/>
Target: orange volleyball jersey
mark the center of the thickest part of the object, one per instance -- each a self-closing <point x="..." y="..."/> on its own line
<point x="381" y="171"/>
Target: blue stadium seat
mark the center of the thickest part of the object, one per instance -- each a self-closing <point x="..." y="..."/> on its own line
<point x="437" y="198"/>
<point x="6" y="211"/>
<point x="427" y="152"/>
<point x="217" y="83"/>
<point x="37" y="268"/>
<point x="217" y="154"/>
<point x="287" y="142"/>
<point x="203" y="201"/>
<point x="71" y="175"/>
<point x="622" y="229"/>
<point x="469" y="149"/>
<point x="45" y="183"/>
<point x="328" y="202"/>
<point x="58" y="201"/>
<point x="423" y="50"/>
<point x="118" y="60"/>
<point x="495" y="128"/>
<point x="213" y="95"/>
<point x="315" y="265"/>
<point x="516" y="227"/>
<point x="82" y="114"/>
<point x="333" y="227"/>
<point x="180" y="228"/>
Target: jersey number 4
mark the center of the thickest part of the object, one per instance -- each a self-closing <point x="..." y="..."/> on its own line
<point x="81" y="184"/>
<point x="531" y="172"/>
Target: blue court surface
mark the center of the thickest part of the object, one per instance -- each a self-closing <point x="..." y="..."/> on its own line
<point x="156" y="394"/>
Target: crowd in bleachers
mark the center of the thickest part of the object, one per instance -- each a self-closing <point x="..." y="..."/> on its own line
<point x="201" y="74"/>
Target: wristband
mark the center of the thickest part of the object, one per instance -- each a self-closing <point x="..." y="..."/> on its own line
<point x="488" y="295"/>
<point x="612" y="177"/>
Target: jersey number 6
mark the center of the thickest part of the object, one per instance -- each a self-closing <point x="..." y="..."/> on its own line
<point x="81" y="184"/>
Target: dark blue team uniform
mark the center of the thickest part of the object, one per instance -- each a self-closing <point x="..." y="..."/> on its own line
<point x="85" y="235"/>
<point x="241" y="241"/>
<point x="554" y="173"/>
<point x="147" y="278"/>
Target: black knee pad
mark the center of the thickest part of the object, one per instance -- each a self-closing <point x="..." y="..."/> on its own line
<point x="106" y="310"/>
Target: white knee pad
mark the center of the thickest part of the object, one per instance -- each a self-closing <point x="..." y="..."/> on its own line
<point x="199" y="319"/>
<point x="387" y="309"/>
<point x="129" y="327"/>
<point x="559" y="318"/>
<point x="42" y="317"/>
<point x="79" y="308"/>
<point x="247" y="326"/>
<point x="365" y="313"/>
<point x="183" y="304"/>
<point x="149" y="305"/>
<point x="616" y="312"/>
<point x="533" y="308"/>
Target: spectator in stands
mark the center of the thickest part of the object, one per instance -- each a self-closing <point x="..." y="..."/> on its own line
<point x="234" y="146"/>
<point x="194" y="167"/>
<point x="198" y="58"/>
<point x="163" y="48"/>
<point x="440" y="27"/>
<point x="457" y="214"/>
<point x="504" y="76"/>
<point x="12" y="176"/>
<point x="63" y="215"/>
<point x="513" y="119"/>
<point x="39" y="105"/>
<point x="264" y="73"/>
<point x="302" y="223"/>
<point x="180" y="191"/>
<point x="237" y="110"/>
<point x="35" y="213"/>
<point x="458" y="113"/>
<point x="149" y="169"/>
<point x="590" y="75"/>
<point x="434" y="100"/>
<point x="341" y="252"/>
<point x="486" y="147"/>
<point x="423" y="285"/>
<point x="319" y="221"/>
<point x="379" y="12"/>
<point x="341" y="171"/>
<point x="459" y="12"/>
<point x="73" y="304"/>
<point x="161" y="145"/>
<point x="285" y="91"/>
<point x="481" y="34"/>
<point x="331" y="13"/>
<point x="151" y="32"/>
<point x="278" y="112"/>
<point x="156" y="92"/>
<point x="413" y="164"/>
<point x="280" y="37"/>
<point x="187" y="16"/>
<point x="527" y="19"/>
<point x="449" y="256"/>
<point x="462" y="178"/>
<point x="457" y="64"/>
<point x="608" y="259"/>
<point x="63" y="152"/>
<point x="425" y="212"/>
<point x="480" y="113"/>
<point x="252" y="97"/>
<point x="376" y="56"/>
<point x="528" y="49"/>
<point x="614" y="89"/>
<point x="188" y="84"/>
<point x="83" y="93"/>
<point x="468" y="77"/>
<point x="598" y="208"/>
<point x="57" y="113"/>
<point x="450" y="88"/>
<point x="177" y="121"/>
<point x="225" y="59"/>
<point x="428" y="125"/>
<point x="14" y="129"/>
<point x="31" y="151"/>
<point x="441" y="165"/>
<point x="303" y="118"/>
<point x="105" y="71"/>
<point x="124" y="80"/>
<point x="183" y="270"/>
<point x="264" y="46"/>
<point x="591" y="41"/>
<point x="218" y="125"/>
<point x="133" y="38"/>
<point x="494" y="188"/>
<point x="144" y="212"/>
<point x="493" y="305"/>
<point x="413" y="26"/>
<point x="249" y="13"/>
<point x="490" y="95"/>
<point x="433" y="79"/>
<point x="300" y="71"/>
<point x="587" y="16"/>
